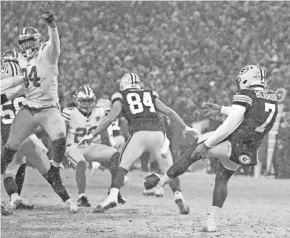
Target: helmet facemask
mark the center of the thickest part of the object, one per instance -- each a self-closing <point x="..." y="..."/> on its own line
<point x="85" y="99"/>
<point x="29" y="47"/>
<point x="29" y="41"/>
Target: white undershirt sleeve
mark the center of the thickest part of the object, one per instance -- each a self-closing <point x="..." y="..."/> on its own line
<point x="233" y="121"/>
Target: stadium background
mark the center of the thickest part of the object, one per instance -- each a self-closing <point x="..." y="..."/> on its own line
<point x="189" y="52"/>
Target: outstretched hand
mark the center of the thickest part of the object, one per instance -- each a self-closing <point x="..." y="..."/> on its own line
<point x="210" y="108"/>
<point x="46" y="13"/>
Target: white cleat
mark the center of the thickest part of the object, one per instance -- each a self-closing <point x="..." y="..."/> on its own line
<point x="157" y="192"/>
<point x="209" y="226"/>
<point x="110" y="202"/>
<point x="72" y="207"/>
<point x="180" y="202"/>
<point x="14" y="202"/>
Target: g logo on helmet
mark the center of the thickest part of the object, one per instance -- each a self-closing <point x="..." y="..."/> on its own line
<point x="244" y="159"/>
<point x="244" y="70"/>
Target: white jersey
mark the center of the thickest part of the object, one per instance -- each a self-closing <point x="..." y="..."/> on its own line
<point x="80" y="125"/>
<point x="41" y="83"/>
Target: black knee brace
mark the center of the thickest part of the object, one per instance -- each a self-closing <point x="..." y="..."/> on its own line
<point x="6" y="158"/>
<point x="58" y="148"/>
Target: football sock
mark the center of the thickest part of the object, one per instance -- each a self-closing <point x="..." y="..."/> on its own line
<point x="10" y="185"/>
<point x="6" y="158"/>
<point x="114" y="166"/>
<point x="119" y="179"/>
<point x="220" y="191"/>
<point x="81" y="176"/>
<point x="53" y="178"/>
<point x="180" y="166"/>
<point x="58" y="148"/>
<point x="19" y="179"/>
<point x="175" y="185"/>
<point x="215" y="212"/>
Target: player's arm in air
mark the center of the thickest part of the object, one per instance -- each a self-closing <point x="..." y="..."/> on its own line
<point x="234" y="119"/>
<point x="161" y="107"/>
<point x="106" y="122"/>
<point x="52" y="47"/>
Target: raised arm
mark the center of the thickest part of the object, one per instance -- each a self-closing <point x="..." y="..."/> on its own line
<point x="52" y="47"/>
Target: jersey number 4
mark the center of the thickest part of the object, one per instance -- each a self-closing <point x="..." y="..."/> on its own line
<point x="31" y="77"/>
<point x="137" y="104"/>
<point x="269" y="107"/>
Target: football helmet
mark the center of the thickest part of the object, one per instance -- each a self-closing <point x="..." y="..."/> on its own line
<point x="130" y="81"/>
<point x="105" y="104"/>
<point x="250" y="76"/>
<point x="29" y="41"/>
<point x="10" y="55"/>
<point x="85" y="99"/>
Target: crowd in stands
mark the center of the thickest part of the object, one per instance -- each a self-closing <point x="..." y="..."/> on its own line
<point x="189" y="52"/>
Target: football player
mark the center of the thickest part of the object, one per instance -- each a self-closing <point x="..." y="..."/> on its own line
<point x="235" y="142"/>
<point x="146" y="134"/>
<point x="38" y="62"/>
<point x="117" y="140"/>
<point x="81" y="121"/>
<point x="11" y="89"/>
<point x="32" y="148"/>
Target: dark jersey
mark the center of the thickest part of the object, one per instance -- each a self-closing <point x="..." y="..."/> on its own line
<point x="261" y="112"/>
<point x="8" y="113"/>
<point x="138" y="107"/>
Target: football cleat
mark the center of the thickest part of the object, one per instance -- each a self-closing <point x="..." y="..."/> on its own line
<point x="5" y="211"/>
<point x="25" y="205"/>
<point x="99" y="209"/>
<point x="72" y="207"/>
<point x="83" y="202"/>
<point x="157" y="192"/>
<point x="15" y="202"/>
<point x="110" y="202"/>
<point x="180" y="202"/>
<point x="121" y="199"/>
<point x="209" y="226"/>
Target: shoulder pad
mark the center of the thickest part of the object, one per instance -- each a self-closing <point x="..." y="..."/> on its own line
<point x="247" y="92"/>
<point x="243" y="97"/>
<point x="43" y="45"/>
<point x="117" y="95"/>
<point x="66" y="113"/>
<point x="155" y="94"/>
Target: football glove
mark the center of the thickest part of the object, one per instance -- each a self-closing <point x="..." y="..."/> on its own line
<point x="46" y="13"/>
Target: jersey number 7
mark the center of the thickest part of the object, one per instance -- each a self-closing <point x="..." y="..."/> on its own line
<point x="269" y="107"/>
<point x="32" y="77"/>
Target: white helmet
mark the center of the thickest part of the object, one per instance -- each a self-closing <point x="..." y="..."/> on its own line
<point x="130" y="81"/>
<point x="251" y="75"/>
<point x="104" y="104"/>
<point x="85" y="98"/>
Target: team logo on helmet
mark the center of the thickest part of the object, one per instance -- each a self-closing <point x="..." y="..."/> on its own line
<point x="244" y="159"/>
<point x="130" y="81"/>
<point x="244" y="70"/>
